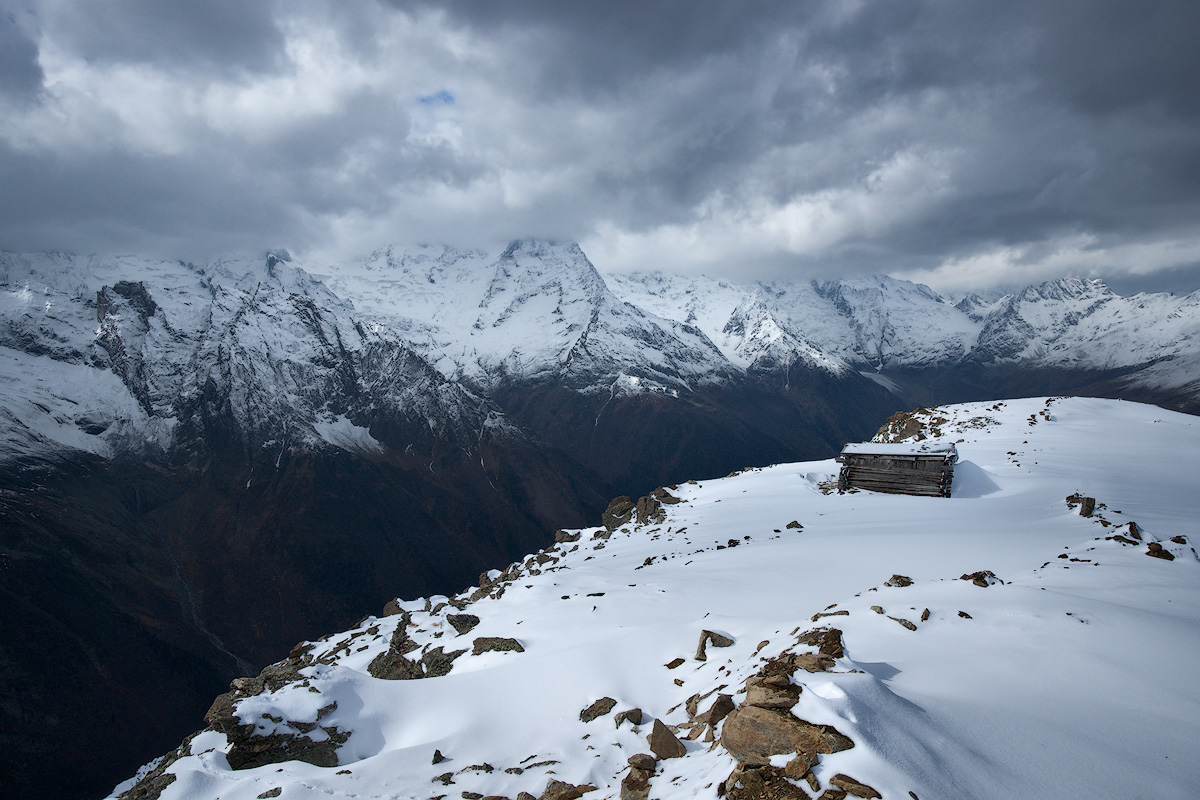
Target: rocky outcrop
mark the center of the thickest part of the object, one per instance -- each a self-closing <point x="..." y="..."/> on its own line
<point x="619" y="512"/>
<point x="752" y="735"/>
<point x="760" y="783"/>
<point x="462" y="622"/>
<point x="558" y="790"/>
<point x="487" y="644"/>
<point x="636" y="783"/>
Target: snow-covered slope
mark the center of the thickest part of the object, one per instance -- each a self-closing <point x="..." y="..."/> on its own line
<point x="1035" y="653"/>
<point x="881" y="324"/>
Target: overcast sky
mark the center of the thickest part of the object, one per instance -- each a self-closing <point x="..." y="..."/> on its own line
<point x="964" y="144"/>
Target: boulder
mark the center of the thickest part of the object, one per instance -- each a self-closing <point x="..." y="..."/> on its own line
<point x="436" y="663"/>
<point x="633" y="715"/>
<point x="752" y="735"/>
<point x="718" y="711"/>
<point x="391" y="608"/>
<point x="486" y="644"/>
<point x="899" y="581"/>
<point x="557" y="790"/>
<point x="649" y="510"/>
<point x="643" y="761"/>
<point x="462" y="622"/>
<point x="1156" y="550"/>
<point x="562" y="537"/>
<point x="663" y="743"/>
<point x="772" y="692"/>
<point x="598" y="709"/>
<point x="716" y="639"/>
<point x="619" y="512"/>
<point x="794" y="525"/>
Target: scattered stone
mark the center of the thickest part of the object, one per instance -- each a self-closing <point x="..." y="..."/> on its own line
<point x="674" y="662"/>
<point x="718" y="711"/>
<point x="716" y="639"/>
<point x="965" y="615"/>
<point x="752" y="735"/>
<point x="597" y="709"/>
<point x="925" y="615"/>
<point x="984" y="578"/>
<point x="812" y="781"/>
<point x="562" y="537"/>
<point x="877" y="609"/>
<point x="851" y="786"/>
<point x="472" y="796"/>
<point x="904" y="622"/>
<point x="692" y="705"/>
<point x="1179" y="539"/>
<point x="619" y="512"/>
<point x="842" y="613"/>
<point x="798" y="767"/>
<point x="514" y="770"/>
<point x="486" y="644"/>
<point x="663" y="743"/>
<point x="634" y="715"/>
<point x="898" y="581"/>
<point x="1156" y="550"/>
<point x="278" y="790"/>
<point x="484" y="767"/>
<point x="462" y="622"/>
<point x="794" y="525"/>
<point x="760" y="783"/>
<point x="438" y="757"/>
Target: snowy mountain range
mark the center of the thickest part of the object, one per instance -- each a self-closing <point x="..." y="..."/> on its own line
<point x="219" y="459"/>
<point x="762" y="636"/>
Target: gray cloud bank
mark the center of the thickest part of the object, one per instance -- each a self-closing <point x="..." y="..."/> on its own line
<point x="961" y="143"/>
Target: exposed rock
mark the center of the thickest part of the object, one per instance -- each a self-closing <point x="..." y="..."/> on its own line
<point x="278" y="790"/>
<point x="462" y="622"/>
<point x="822" y="614"/>
<point x="984" y="578"/>
<point x="634" y="715"/>
<point x="562" y="537"/>
<point x="965" y="615"/>
<point x="828" y="641"/>
<point x="814" y="662"/>
<point x="1087" y="505"/>
<point x="557" y="790"/>
<point x="925" y="615"/>
<point x="674" y="662"/>
<point x="898" y="581"/>
<point x="663" y="743"/>
<point x="649" y="511"/>
<point x="761" y="783"/>
<point x="1156" y="550"/>
<point x="436" y="663"/>
<point x="597" y="709"/>
<point x="472" y="796"/>
<point x="833" y="793"/>
<point x="692" y="705"/>
<point x="151" y="786"/>
<point x="391" y="666"/>
<point x="851" y="786"/>
<point x="798" y="768"/>
<point x="636" y="784"/>
<point x="716" y="639"/>
<point x="486" y="644"/>
<point x="772" y="692"/>
<point x="794" y="525"/>
<point x="391" y="608"/>
<point x="1135" y="531"/>
<point x="525" y="796"/>
<point x="619" y="512"/>
<point x="1179" y="539"/>
<point x="877" y="609"/>
<point x="718" y="711"/>
<point x="906" y="623"/>
<point x="752" y="735"/>
<point x="643" y="761"/>
<point x="438" y="757"/>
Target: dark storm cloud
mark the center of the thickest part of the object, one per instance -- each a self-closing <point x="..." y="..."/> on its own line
<point x="20" y="74"/>
<point x="947" y="140"/>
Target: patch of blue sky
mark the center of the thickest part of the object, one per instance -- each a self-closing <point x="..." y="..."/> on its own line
<point x="442" y="98"/>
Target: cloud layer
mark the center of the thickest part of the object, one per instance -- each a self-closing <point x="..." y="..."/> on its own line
<point x="964" y="143"/>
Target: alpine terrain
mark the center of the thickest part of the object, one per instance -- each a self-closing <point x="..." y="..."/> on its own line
<point x="762" y="636"/>
<point x="201" y="464"/>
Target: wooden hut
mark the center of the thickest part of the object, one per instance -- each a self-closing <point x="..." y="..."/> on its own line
<point x="919" y="468"/>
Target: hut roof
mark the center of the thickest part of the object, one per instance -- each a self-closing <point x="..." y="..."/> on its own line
<point x="928" y="449"/>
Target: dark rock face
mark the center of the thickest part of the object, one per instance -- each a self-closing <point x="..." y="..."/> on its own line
<point x="619" y="512"/>
<point x="485" y="644"/>
<point x="462" y="622"/>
